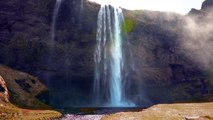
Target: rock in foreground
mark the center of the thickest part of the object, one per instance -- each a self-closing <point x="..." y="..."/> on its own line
<point x="10" y="112"/>
<point x="187" y="111"/>
<point x="23" y="88"/>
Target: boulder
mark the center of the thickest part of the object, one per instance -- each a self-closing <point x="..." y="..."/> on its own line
<point x="24" y="89"/>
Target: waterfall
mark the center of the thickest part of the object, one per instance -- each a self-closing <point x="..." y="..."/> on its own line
<point x="54" y="19"/>
<point x="108" y="84"/>
<point x="82" y="5"/>
<point x="116" y="65"/>
<point x="52" y="35"/>
<point x="51" y="56"/>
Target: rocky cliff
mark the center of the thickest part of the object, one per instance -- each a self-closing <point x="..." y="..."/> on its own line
<point x="164" y="65"/>
<point x="25" y="42"/>
<point x="173" y="53"/>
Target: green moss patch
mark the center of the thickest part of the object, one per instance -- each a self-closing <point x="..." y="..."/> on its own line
<point x="128" y="25"/>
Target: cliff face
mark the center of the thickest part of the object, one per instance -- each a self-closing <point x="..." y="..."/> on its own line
<point x="162" y="66"/>
<point x="25" y="33"/>
<point x="171" y="55"/>
<point x="25" y="43"/>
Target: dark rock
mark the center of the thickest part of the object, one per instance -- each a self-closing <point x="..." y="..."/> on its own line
<point x="25" y="43"/>
<point x="33" y="81"/>
<point x="24" y="85"/>
<point x="205" y="10"/>
<point x="44" y="97"/>
<point x="2" y="89"/>
<point x="195" y="12"/>
<point x="207" y="5"/>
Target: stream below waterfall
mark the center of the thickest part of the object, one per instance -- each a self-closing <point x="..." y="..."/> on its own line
<point x="92" y="113"/>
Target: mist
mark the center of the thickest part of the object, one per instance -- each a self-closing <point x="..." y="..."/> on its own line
<point x="197" y="39"/>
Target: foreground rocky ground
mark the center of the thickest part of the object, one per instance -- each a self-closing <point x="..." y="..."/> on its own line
<point x="10" y="112"/>
<point x="185" y="111"/>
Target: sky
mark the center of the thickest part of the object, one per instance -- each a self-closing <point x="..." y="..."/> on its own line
<point x="178" y="6"/>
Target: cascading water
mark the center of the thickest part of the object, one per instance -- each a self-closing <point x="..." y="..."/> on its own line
<point x="82" y="5"/>
<point x="108" y="84"/>
<point x="51" y="57"/>
<point x="54" y="19"/>
<point x="50" y="61"/>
